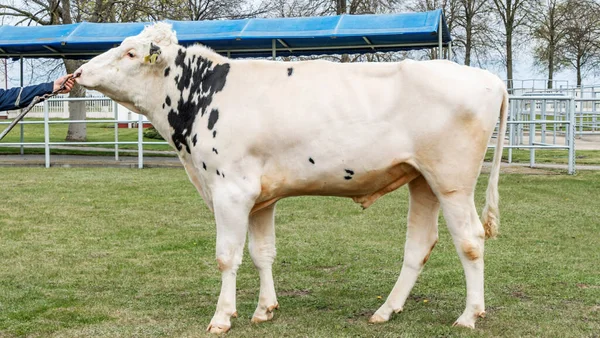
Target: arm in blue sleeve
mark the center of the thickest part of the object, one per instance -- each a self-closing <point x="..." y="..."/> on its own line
<point x="10" y="99"/>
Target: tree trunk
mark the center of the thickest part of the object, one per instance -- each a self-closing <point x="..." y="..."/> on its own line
<point x="468" y="42"/>
<point x="578" y="72"/>
<point x="77" y="131"/>
<point x="509" y="62"/>
<point x="341" y="7"/>
<point x="550" y="68"/>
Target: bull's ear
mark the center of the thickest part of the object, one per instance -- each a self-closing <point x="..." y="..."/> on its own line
<point x="153" y="54"/>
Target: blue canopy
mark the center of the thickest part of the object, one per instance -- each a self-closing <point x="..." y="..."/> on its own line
<point x="241" y="38"/>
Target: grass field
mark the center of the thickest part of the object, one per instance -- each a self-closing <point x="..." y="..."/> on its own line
<point x="130" y="253"/>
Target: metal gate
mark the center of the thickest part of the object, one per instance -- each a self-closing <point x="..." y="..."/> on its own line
<point x="542" y="122"/>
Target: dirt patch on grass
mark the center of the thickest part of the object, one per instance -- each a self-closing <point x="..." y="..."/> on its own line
<point x="333" y="268"/>
<point x="360" y="317"/>
<point x="294" y="293"/>
<point x="420" y="298"/>
<point x="520" y="294"/>
<point x="587" y="286"/>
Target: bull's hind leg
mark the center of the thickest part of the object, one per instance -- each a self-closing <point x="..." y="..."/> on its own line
<point x="261" y="245"/>
<point x="421" y="237"/>
<point x="232" y="210"/>
<point x="468" y="236"/>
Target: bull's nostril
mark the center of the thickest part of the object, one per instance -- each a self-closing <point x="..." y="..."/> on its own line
<point x="78" y="72"/>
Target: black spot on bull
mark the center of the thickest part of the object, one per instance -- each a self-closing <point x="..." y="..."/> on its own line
<point x="167" y="71"/>
<point x="311" y="160"/>
<point x="290" y="71"/>
<point x="168" y="100"/>
<point x="212" y="119"/>
<point x="195" y="139"/>
<point x="203" y="79"/>
<point x="350" y="173"/>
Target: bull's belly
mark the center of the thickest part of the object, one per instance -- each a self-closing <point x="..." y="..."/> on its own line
<point x="364" y="187"/>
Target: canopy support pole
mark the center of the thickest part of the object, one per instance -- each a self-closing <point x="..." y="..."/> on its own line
<point x="440" y="50"/>
<point x="22" y="125"/>
<point x="273" y="49"/>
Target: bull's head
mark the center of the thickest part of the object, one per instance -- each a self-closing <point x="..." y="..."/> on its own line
<point x="131" y="73"/>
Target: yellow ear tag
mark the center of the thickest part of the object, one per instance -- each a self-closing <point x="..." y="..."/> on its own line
<point x="151" y="58"/>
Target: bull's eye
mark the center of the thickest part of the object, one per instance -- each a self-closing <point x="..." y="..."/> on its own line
<point x="130" y="55"/>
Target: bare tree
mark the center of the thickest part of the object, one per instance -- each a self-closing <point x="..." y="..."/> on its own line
<point x="582" y="37"/>
<point x="298" y="8"/>
<point x="51" y="12"/>
<point x="549" y="32"/>
<point x="514" y="17"/>
<point x="450" y="8"/>
<point x="472" y="19"/>
<point x="196" y="10"/>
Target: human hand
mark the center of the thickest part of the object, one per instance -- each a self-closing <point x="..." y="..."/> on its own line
<point x="68" y="84"/>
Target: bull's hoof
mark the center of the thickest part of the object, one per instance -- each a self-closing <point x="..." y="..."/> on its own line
<point x="459" y="323"/>
<point x="217" y="329"/>
<point x="466" y="320"/>
<point x="266" y="316"/>
<point x="376" y="319"/>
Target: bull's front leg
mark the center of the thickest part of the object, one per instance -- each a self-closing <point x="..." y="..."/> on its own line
<point x="232" y="208"/>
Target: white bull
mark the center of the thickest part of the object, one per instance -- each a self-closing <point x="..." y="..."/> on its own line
<point x="252" y="132"/>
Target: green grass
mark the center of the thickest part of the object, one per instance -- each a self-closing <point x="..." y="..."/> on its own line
<point x="130" y="253"/>
<point x="96" y="132"/>
<point x="582" y="157"/>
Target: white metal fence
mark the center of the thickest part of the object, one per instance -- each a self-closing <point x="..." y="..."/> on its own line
<point x="98" y="102"/>
<point x="542" y="122"/>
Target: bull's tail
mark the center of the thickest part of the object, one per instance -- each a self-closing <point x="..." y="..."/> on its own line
<point x="490" y="218"/>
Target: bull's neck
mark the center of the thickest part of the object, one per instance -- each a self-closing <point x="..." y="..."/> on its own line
<point x="191" y="81"/>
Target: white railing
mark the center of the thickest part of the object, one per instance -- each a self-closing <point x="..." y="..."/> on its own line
<point x="587" y="111"/>
<point x="542" y="122"/>
<point x="522" y="86"/>
<point x="46" y="107"/>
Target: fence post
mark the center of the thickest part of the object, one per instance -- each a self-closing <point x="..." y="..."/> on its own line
<point x="511" y="130"/>
<point x="140" y="141"/>
<point x="571" y="138"/>
<point x="543" y="117"/>
<point x="532" y="133"/>
<point x="46" y="134"/>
